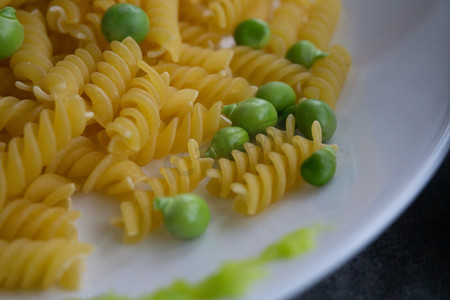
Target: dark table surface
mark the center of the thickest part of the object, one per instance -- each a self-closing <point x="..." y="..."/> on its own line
<point x="410" y="260"/>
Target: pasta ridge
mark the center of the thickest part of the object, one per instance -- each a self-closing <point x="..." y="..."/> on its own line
<point x="287" y="20"/>
<point x="112" y="78"/>
<point x="15" y="113"/>
<point x="23" y="159"/>
<point x="69" y="75"/>
<point x="229" y="171"/>
<point x="22" y="218"/>
<point x="328" y="76"/>
<point x="270" y="181"/>
<point x="260" y="67"/>
<point x="34" y="58"/>
<point x="82" y="161"/>
<point x="211" y="87"/>
<point x="37" y="264"/>
<point x="224" y="15"/>
<point x="322" y="21"/>
<point x="164" y="31"/>
<point x="173" y="136"/>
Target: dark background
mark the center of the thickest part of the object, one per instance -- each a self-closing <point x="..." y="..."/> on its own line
<point x="410" y="260"/>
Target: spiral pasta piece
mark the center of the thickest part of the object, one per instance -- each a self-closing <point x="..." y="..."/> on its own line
<point x="22" y="218"/>
<point x="328" y="76"/>
<point x="69" y="75"/>
<point x="15" y="113"/>
<point x="63" y="15"/>
<point x="198" y="35"/>
<point x="34" y="58"/>
<point x="138" y="217"/>
<point x="224" y="15"/>
<point x="322" y="20"/>
<point x="259" y="67"/>
<point x="194" y="13"/>
<point x="211" y="60"/>
<point x="271" y="181"/>
<point x="186" y="174"/>
<point x="83" y="162"/>
<point x="113" y="78"/>
<point x="287" y="19"/>
<point x="164" y="35"/>
<point x="262" y="10"/>
<point x="230" y="171"/>
<point x="138" y="121"/>
<point x="37" y="264"/>
<point x="25" y="156"/>
<point x="211" y="87"/>
<point x="200" y="124"/>
<point x="51" y="190"/>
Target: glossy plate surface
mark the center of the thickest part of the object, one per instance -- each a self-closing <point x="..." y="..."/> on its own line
<point x="393" y="132"/>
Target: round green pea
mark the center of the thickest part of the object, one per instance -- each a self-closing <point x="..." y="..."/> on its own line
<point x="254" y="33"/>
<point x="122" y="20"/>
<point x="11" y="32"/>
<point x="185" y="215"/>
<point x="319" y="168"/>
<point x="310" y="110"/>
<point x="252" y="114"/>
<point x="280" y="94"/>
<point x="226" y="140"/>
<point x="304" y="53"/>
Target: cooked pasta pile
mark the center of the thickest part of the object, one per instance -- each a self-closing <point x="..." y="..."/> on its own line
<point x="79" y="112"/>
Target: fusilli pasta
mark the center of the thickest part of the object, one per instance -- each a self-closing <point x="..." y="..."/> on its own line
<point x="29" y="264"/>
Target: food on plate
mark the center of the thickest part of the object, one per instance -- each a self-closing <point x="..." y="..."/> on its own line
<point x="319" y="168"/>
<point x="94" y="91"/>
<point x="304" y="53"/>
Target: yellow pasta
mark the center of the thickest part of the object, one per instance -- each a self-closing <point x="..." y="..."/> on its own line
<point x="51" y="190"/>
<point x="211" y="87"/>
<point x="69" y="75"/>
<point x="197" y="35"/>
<point x="288" y="18"/>
<point x="259" y="67"/>
<point x="24" y="157"/>
<point x="328" y="76"/>
<point x="230" y="171"/>
<point x="321" y="24"/>
<point x="114" y="75"/>
<point x="29" y="264"/>
<point x="200" y="124"/>
<point x="224" y="15"/>
<point x="164" y="35"/>
<point x="22" y="218"/>
<point x="137" y="215"/>
<point x="34" y="58"/>
<point x="272" y="180"/>
<point x="15" y="113"/>
<point x="212" y="60"/>
<point x="82" y="161"/>
<point x="184" y="176"/>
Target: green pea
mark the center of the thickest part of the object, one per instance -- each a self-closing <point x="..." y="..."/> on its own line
<point x="310" y="110"/>
<point x="226" y="140"/>
<point x="304" y="53"/>
<point x="11" y="32"/>
<point x="282" y="116"/>
<point x="254" y="33"/>
<point x="185" y="215"/>
<point x="319" y="168"/>
<point x="252" y="114"/>
<point x="280" y="94"/>
<point x="122" y="20"/>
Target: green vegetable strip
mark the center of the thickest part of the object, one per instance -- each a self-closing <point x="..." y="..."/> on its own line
<point x="233" y="279"/>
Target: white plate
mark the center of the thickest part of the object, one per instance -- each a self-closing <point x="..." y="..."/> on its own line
<point x="393" y="132"/>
